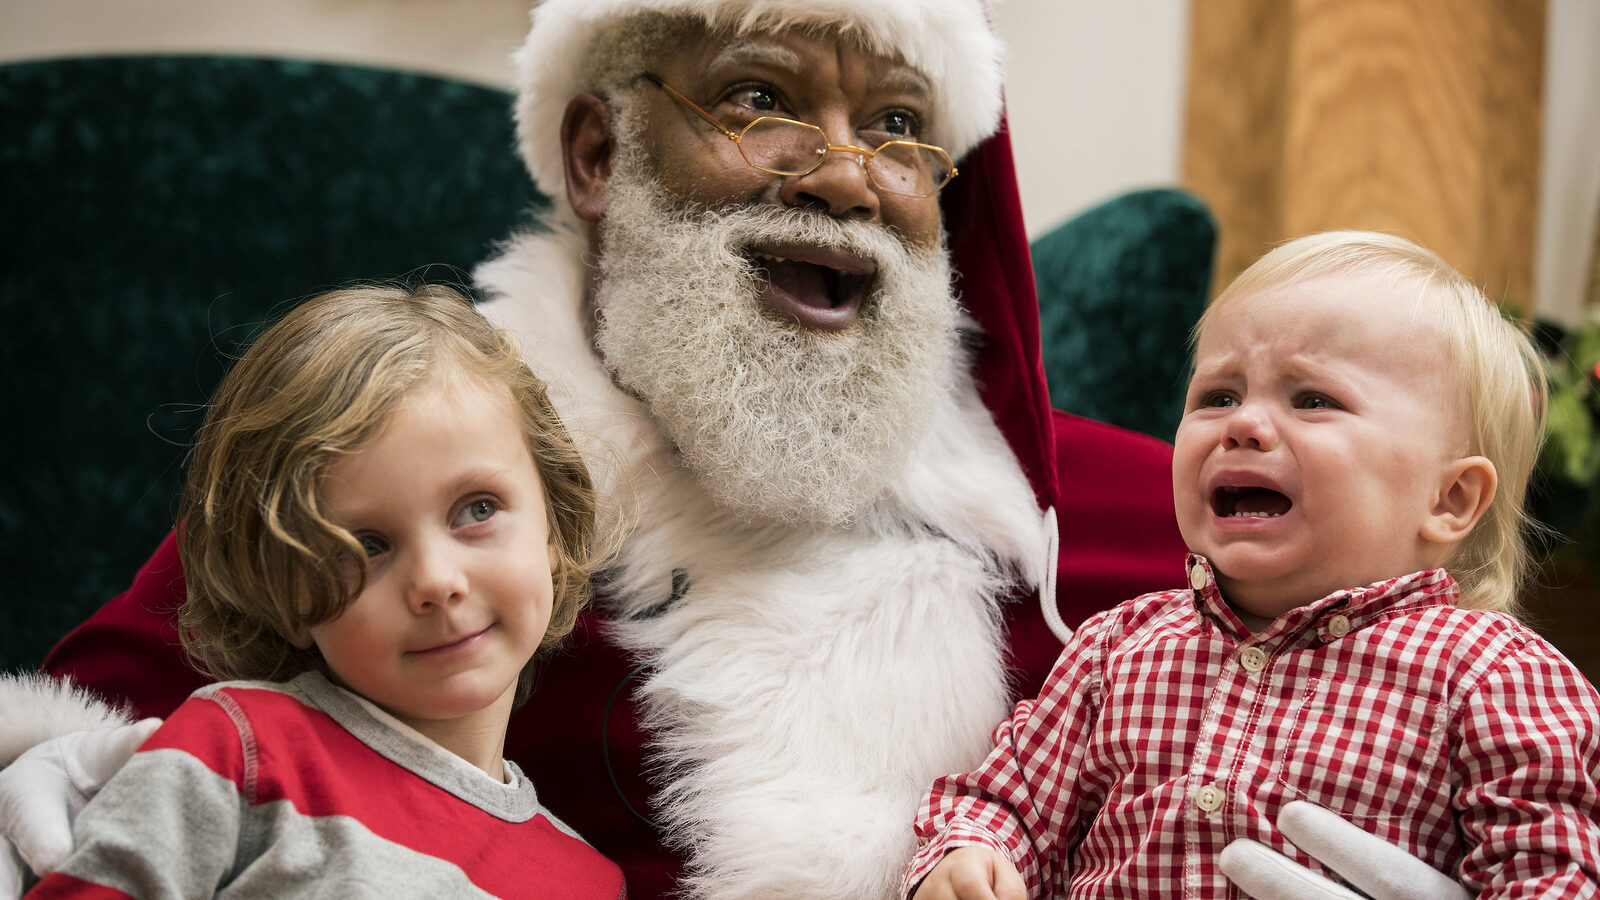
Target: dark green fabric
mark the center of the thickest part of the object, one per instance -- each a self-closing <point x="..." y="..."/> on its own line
<point x="1120" y="286"/>
<point x="155" y="209"/>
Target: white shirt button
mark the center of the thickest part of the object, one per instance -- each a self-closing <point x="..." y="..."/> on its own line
<point x="1338" y="626"/>
<point x="1254" y="659"/>
<point x="1198" y="578"/>
<point x="1209" y="798"/>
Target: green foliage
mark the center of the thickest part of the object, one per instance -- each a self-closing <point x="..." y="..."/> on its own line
<point x="1567" y="497"/>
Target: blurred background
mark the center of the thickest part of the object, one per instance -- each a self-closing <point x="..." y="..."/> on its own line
<point x="1471" y="126"/>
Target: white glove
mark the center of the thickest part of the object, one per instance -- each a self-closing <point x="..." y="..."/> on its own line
<point x="10" y="872"/>
<point x="44" y="790"/>
<point x="1376" y="867"/>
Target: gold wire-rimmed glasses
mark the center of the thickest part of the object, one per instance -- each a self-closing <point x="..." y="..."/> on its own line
<point x="789" y="147"/>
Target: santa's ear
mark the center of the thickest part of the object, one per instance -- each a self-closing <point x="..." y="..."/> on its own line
<point x="1466" y="487"/>
<point x="586" y="154"/>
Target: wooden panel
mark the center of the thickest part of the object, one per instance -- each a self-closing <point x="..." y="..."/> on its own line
<point x="1513" y="94"/>
<point x="1419" y="117"/>
<point x="1233" y="134"/>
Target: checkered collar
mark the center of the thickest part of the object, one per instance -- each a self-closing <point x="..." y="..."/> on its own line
<point x="1334" y="616"/>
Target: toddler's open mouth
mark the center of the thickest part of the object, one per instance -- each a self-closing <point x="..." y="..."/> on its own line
<point x="1244" y="501"/>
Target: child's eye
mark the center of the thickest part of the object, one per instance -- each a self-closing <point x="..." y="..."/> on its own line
<point x="1219" y="400"/>
<point x="477" y="511"/>
<point x="373" y="545"/>
<point x="1317" y="401"/>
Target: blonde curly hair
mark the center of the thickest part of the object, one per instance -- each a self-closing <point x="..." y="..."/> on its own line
<point x="259" y="557"/>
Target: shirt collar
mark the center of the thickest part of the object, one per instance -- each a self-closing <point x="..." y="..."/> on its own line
<point x="1339" y="613"/>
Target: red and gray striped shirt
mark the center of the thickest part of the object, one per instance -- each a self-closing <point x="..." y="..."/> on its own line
<point x="253" y="789"/>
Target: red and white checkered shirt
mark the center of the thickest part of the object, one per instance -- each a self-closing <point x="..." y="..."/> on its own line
<point x="1167" y="730"/>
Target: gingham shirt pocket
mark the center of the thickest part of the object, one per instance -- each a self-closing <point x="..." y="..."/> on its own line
<point x="1366" y="750"/>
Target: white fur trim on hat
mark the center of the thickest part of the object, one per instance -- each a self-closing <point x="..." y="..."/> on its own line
<point x="949" y="41"/>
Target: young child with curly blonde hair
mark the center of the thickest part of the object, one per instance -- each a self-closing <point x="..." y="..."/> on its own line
<point x="384" y="522"/>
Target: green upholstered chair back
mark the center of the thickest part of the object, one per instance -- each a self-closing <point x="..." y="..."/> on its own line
<point x="155" y="210"/>
<point x="1120" y="287"/>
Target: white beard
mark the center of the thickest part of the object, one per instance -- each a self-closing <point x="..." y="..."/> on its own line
<point x="777" y="420"/>
<point x="813" y="680"/>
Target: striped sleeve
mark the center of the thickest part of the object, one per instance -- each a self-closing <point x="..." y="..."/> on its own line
<point x="167" y="825"/>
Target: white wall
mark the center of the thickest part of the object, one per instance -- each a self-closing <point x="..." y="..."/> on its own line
<point x="1094" y="90"/>
<point x="1095" y="87"/>
<point x="468" y="39"/>
<point x="1569" y="190"/>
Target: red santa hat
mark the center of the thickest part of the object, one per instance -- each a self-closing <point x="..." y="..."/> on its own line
<point x="950" y="41"/>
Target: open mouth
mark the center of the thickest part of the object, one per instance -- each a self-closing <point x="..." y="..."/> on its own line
<point x="816" y="287"/>
<point x="1245" y="502"/>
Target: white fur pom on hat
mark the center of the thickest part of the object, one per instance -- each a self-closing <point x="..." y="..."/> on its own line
<point x="950" y="41"/>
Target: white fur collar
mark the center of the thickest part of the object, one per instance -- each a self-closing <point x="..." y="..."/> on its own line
<point x="812" y="681"/>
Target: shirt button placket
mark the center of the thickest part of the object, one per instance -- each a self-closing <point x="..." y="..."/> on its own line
<point x="1253" y="659"/>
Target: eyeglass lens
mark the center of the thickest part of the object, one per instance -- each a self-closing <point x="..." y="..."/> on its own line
<point x="793" y="148"/>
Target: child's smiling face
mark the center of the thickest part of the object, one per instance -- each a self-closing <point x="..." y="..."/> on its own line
<point x="1320" y="428"/>
<point x="449" y="506"/>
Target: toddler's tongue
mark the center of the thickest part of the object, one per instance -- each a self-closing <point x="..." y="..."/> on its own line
<point x="1253" y="501"/>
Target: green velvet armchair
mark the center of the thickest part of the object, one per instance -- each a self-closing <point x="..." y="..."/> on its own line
<point x="157" y="209"/>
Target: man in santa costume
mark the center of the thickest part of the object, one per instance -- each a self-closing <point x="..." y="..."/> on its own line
<point x="806" y="359"/>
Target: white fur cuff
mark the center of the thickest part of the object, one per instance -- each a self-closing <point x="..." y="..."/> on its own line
<point x="38" y="708"/>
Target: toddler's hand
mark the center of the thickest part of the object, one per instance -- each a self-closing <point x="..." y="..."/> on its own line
<point x="972" y="873"/>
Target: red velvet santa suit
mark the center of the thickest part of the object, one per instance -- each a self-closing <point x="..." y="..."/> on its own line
<point x="581" y="737"/>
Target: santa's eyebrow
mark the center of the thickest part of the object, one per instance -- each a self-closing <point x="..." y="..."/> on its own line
<point x="739" y="53"/>
<point x="904" y="79"/>
<point x="897" y="77"/>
